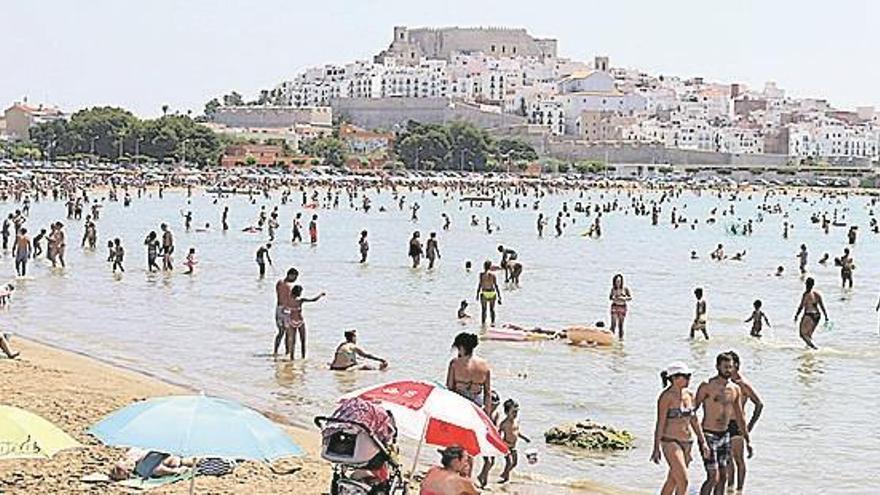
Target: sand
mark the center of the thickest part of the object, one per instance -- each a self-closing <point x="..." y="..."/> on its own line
<point x="75" y="392"/>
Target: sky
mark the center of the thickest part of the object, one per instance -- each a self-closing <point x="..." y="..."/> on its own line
<point x="143" y="54"/>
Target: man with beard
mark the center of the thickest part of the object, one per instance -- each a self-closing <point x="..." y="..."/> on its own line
<point x="721" y="400"/>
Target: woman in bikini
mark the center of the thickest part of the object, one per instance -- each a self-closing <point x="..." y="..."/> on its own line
<point x="676" y="419"/>
<point x="811" y="304"/>
<point x="297" y="324"/>
<point x="619" y="296"/>
<point x="468" y="375"/>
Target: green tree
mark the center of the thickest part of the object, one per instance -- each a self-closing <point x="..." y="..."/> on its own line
<point x="515" y="150"/>
<point x="232" y="99"/>
<point x="330" y="149"/>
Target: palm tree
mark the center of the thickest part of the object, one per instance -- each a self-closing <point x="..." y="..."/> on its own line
<point x="164" y="110"/>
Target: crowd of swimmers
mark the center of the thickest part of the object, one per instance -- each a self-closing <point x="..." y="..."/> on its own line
<point x="723" y="434"/>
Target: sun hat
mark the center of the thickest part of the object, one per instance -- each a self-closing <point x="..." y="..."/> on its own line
<point x="678" y="368"/>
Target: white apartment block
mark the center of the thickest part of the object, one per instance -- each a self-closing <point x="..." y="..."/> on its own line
<point x="831" y="139"/>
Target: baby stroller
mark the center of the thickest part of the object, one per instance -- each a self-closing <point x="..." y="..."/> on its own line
<point x="360" y="440"/>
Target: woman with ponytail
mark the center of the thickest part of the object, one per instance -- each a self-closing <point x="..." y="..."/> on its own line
<point x="676" y="426"/>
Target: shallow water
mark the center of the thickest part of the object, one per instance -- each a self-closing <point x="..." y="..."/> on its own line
<point x="214" y="330"/>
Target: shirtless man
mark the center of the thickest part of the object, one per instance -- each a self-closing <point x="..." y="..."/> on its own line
<point x="283" y="302"/>
<point x="487" y="292"/>
<point x="811" y="303"/>
<point x="721" y="400"/>
<point x="452" y="477"/>
<point x="432" y="250"/>
<point x="167" y="247"/>
<point x="736" y="439"/>
<point x="21" y="250"/>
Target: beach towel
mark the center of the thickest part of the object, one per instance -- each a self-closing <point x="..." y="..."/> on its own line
<point x="150" y="483"/>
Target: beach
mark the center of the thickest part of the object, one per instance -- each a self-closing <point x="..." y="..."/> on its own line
<point x="74" y="392"/>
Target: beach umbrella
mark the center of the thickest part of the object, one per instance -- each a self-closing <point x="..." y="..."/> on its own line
<point x="24" y="435"/>
<point x="434" y="415"/>
<point x="196" y="426"/>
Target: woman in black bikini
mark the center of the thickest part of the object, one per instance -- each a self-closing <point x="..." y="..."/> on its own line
<point x="676" y="419"/>
<point x="811" y="303"/>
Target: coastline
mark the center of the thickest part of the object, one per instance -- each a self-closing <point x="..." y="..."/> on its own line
<point x="74" y="391"/>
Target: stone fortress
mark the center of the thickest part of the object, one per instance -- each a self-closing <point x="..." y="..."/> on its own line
<point x="410" y="46"/>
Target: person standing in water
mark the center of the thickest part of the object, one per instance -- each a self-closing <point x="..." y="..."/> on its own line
<point x="364" y="246"/>
<point x="676" y="427"/>
<point x="263" y="257"/>
<point x="757" y="319"/>
<point x="223" y="221"/>
<point x="846" y="269"/>
<point x="297" y="324"/>
<point x="540" y="224"/>
<point x="802" y="259"/>
<point x="283" y="298"/>
<point x="811" y="304"/>
<point x="152" y="244"/>
<point x="488" y="292"/>
<point x="415" y="249"/>
<point x="432" y="250"/>
<point x="21" y="251"/>
<point x="167" y="247"/>
<point x="297" y="228"/>
<point x="619" y="297"/>
<point x="118" y="256"/>
<point x="313" y="230"/>
<point x="699" y="323"/>
<point x="469" y="375"/>
<point x="737" y="470"/>
<point x="721" y="400"/>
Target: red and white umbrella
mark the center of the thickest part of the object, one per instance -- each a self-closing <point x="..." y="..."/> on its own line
<point x="435" y="415"/>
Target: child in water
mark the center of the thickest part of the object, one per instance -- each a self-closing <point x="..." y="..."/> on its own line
<point x="462" y="310"/>
<point x="758" y="318"/>
<point x="191" y="261"/>
<point x="699" y="315"/>
<point x="509" y="429"/>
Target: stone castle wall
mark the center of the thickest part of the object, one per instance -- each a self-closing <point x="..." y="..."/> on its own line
<point x="442" y="43"/>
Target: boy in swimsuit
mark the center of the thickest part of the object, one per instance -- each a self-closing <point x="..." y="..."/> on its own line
<point x="364" y="246"/>
<point x="487" y="292"/>
<point x="699" y="323"/>
<point x="509" y="429"/>
<point x="758" y="318"/>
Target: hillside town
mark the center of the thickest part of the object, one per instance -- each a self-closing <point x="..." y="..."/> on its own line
<point x="511" y="84"/>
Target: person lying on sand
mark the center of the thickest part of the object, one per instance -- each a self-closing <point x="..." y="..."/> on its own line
<point x="171" y="465"/>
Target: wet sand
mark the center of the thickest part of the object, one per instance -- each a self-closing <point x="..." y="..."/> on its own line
<point x="74" y="392"/>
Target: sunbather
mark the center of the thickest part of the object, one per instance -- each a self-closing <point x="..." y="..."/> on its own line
<point x="170" y="465"/>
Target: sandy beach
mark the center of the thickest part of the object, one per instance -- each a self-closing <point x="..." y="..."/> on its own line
<point x="74" y="392"/>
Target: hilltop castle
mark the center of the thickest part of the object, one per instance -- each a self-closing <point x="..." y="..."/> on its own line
<point x="410" y="46"/>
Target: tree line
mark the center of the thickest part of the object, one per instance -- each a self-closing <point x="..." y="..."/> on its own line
<point x="116" y="134"/>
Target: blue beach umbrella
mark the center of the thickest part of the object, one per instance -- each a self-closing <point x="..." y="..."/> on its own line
<point x="196" y="426"/>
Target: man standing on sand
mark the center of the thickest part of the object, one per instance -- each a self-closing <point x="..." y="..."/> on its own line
<point x="721" y="400"/>
<point x="738" y="467"/>
<point x="21" y="251"/>
<point x="283" y="288"/>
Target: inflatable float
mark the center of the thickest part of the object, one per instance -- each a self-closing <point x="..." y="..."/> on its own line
<point x="579" y="335"/>
<point x="516" y="334"/>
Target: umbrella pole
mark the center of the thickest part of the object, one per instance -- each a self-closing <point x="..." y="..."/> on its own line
<point x="192" y="481"/>
<point x="412" y="472"/>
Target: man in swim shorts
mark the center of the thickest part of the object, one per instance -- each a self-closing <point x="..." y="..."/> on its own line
<point x="283" y="288"/>
<point x="721" y="400"/>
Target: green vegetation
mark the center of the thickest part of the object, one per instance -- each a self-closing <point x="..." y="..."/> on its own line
<point x="589" y="435"/>
<point x="330" y="149"/>
<point x="458" y="145"/>
<point x="114" y="134"/>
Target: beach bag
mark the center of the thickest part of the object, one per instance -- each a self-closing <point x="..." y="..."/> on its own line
<point x="215" y="466"/>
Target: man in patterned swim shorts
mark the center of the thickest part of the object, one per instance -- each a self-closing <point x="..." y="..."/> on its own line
<point x="721" y="400"/>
